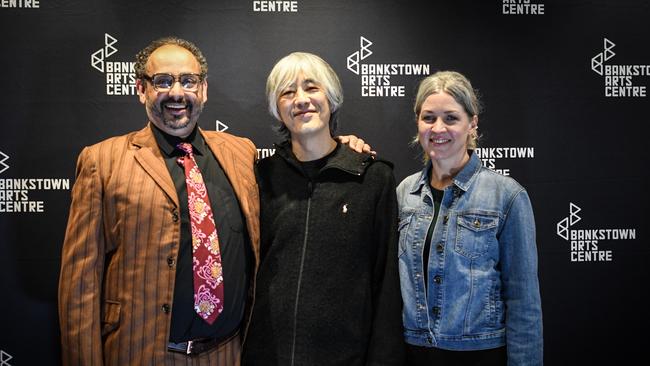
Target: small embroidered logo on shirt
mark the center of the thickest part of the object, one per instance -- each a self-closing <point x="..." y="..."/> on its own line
<point x="345" y="208"/>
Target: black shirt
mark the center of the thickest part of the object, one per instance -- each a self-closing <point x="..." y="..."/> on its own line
<point x="437" y="201"/>
<point x="311" y="168"/>
<point x="236" y="255"/>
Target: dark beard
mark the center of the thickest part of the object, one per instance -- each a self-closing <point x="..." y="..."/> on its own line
<point x="173" y="123"/>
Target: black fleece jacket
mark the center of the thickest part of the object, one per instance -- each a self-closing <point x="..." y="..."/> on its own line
<point x="328" y="284"/>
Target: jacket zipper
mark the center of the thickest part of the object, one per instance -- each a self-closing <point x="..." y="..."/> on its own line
<point x="310" y="188"/>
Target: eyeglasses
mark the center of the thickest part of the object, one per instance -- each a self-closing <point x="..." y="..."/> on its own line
<point x="164" y="82"/>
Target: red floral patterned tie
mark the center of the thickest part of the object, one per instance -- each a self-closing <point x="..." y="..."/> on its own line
<point x="206" y="256"/>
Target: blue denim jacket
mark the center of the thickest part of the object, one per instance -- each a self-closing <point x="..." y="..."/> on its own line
<point x="483" y="288"/>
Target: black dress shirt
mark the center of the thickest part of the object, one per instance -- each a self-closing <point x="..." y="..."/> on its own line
<point x="236" y="255"/>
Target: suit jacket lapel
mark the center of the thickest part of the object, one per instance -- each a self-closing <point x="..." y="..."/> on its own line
<point x="227" y="161"/>
<point x="149" y="157"/>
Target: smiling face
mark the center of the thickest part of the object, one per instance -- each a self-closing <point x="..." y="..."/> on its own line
<point x="301" y="74"/>
<point x="175" y="111"/>
<point x="304" y="108"/>
<point x="444" y="129"/>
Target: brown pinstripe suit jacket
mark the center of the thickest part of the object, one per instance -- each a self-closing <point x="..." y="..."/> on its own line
<point x="123" y="227"/>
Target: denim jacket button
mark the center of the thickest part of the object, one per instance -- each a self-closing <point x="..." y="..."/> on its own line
<point x="445" y="219"/>
<point x="435" y="310"/>
<point x="440" y="248"/>
<point x="437" y="279"/>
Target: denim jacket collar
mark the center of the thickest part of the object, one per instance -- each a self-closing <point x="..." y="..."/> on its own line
<point x="463" y="180"/>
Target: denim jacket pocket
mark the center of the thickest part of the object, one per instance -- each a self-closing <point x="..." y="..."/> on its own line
<point x="476" y="231"/>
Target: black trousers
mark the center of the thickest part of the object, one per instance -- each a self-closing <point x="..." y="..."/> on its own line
<point x="431" y="356"/>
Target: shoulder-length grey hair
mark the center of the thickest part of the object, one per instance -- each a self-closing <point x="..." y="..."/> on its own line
<point x="286" y="71"/>
<point x="456" y="85"/>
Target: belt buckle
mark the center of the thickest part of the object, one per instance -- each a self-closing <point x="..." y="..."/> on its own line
<point x="189" y="347"/>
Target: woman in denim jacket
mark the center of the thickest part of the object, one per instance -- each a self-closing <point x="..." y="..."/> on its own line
<point x="467" y="252"/>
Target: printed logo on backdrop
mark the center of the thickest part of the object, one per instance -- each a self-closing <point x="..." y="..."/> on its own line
<point x="3" y="158"/>
<point x="522" y="7"/>
<point x="4" y="358"/>
<point x="14" y="192"/>
<point x="20" y="4"/>
<point x="376" y="78"/>
<point x="265" y="152"/>
<point x="585" y="244"/>
<point x="275" y="6"/>
<point x="220" y="126"/>
<point x="491" y="157"/>
<point x="619" y="79"/>
<point x="119" y="75"/>
<point x="261" y="153"/>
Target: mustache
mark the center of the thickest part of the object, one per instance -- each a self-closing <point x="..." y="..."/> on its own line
<point x="188" y="103"/>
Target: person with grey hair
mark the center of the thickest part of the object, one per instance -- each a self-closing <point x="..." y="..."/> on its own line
<point x="163" y="230"/>
<point x="467" y="251"/>
<point x="327" y="288"/>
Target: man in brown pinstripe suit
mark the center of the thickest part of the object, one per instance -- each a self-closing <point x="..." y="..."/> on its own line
<point x="125" y="291"/>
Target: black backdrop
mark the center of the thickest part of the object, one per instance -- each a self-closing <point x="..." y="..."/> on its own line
<point x="550" y="122"/>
